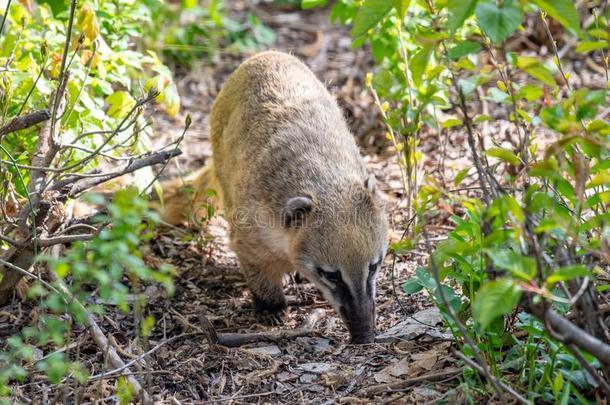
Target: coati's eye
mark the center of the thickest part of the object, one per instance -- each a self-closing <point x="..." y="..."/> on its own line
<point x="373" y="267"/>
<point x="332" y="276"/>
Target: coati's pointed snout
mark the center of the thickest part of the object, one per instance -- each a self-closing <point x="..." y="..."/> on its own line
<point x="359" y="317"/>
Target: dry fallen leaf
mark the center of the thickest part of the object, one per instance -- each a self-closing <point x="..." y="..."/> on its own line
<point x="396" y="369"/>
<point x="423" y="362"/>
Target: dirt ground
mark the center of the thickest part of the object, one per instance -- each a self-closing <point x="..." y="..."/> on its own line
<point x="411" y="363"/>
<point x="320" y="368"/>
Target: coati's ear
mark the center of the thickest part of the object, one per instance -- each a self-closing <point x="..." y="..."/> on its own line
<point x="295" y="210"/>
<point x="370" y="184"/>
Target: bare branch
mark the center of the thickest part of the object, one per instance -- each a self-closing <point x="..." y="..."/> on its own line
<point x="102" y="341"/>
<point x="10" y="241"/>
<point x="116" y="371"/>
<point x="568" y="333"/>
<point x="25" y="121"/>
<point x="239" y="339"/>
<point x="82" y="185"/>
<point x="60" y="240"/>
<point x="29" y="274"/>
<point x="443" y="375"/>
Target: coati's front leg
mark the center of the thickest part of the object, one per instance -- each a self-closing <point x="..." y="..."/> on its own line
<point x="266" y="287"/>
<point x="264" y="273"/>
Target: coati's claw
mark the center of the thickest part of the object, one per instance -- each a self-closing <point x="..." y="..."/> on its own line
<point x="270" y="312"/>
<point x="264" y="305"/>
<point x="272" y="319"/>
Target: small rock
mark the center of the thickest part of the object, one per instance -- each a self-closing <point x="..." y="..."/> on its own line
<point x="424" y="395"/>
<point x="313" y="344"/>
<point x="424" y="322"/>
<point x="316" y="368"/>
<point x="307" y="378"/>
<point x="268" y="350"/>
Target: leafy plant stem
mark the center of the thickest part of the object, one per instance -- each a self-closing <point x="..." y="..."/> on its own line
<point x="500" y="383"/>
<point x="63" y="75"/>
<point x="4" y="17"/>
<point x="483" y="366"/>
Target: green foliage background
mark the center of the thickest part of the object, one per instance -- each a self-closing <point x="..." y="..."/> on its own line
<point x="540" y="221"/>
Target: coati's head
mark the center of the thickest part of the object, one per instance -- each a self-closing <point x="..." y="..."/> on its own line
<point x="340" y="240"/>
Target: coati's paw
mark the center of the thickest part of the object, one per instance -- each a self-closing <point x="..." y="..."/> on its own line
<point x="271" y="312"/>
<point x="272" y="319"/>
<point x="273" y="305"/>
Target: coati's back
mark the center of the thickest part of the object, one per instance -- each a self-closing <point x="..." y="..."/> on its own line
<point x="295" y="190"/>
<point x="278" y="131"/>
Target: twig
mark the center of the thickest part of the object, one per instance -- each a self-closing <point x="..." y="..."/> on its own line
<point x="28" y="274"/>
<point x="83" y="185"/>
<point x="568" y="333"/>
<point x="239" y="339"/>
<point x="5" y="16"/>
<point x="139" y="103"/>
<point x="60" y="240"/>
<point x="102" y="341"/>
<point x="187" y="125"/>
<point x="504" y="386"/>
<point x="10" y="241"/>
<point x="25" y="121"/>
<point x="401" y="385"/>
<point x="118" y="370"/>
<point x="590" y="370"/>
<point x="468" y="339"/>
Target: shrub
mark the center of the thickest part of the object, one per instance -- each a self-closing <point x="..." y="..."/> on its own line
<point x="522" y="278"/>
<point x="73" y="87"/>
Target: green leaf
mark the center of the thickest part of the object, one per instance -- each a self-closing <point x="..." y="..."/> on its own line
<point x="147" y="325"/>
<point x="459" y="11"/>
<point x="307" y="4"/>
<point x="498" y="96"/>
<point x="599" y="179"/>
<point x="371" y="12"/>
<point x="402" y="7"/>
<point x="418" y="64"/>
<point x="495" y="298"/>
<point x="451" y="122"/>
<point x="520" y="266"/>
<point x="563" y="11"/>
<point x="412" y="286"/>
<point x="568" y="273"/>
<point x="460" y="176"/>
<point x="462" y="49"/>
<point x="498" y="22"/>
<point x="402" y="247"/>
<point x="588" y="46"/>
<point x="536" y="69"/>
<point x="425" y="278"/>
<point x="530" y="92"/>
<point x="125" y="391"/>
<point x="120" y="103"/>
<point x="503" y="154"/>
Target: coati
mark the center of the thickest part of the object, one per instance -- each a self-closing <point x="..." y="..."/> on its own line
<point x="294" y="190"/>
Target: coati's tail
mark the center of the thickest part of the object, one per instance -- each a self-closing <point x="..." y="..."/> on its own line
<point x="191" y="199"/>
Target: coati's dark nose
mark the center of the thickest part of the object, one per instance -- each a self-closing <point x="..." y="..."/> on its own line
<point x="359" y="318"/>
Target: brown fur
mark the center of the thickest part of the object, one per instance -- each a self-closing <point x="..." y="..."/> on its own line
<point x="294" y="188"/>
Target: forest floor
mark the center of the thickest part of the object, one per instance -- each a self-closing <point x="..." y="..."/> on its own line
<point x="412" y="362"/>
<point x="321" y="367"/>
